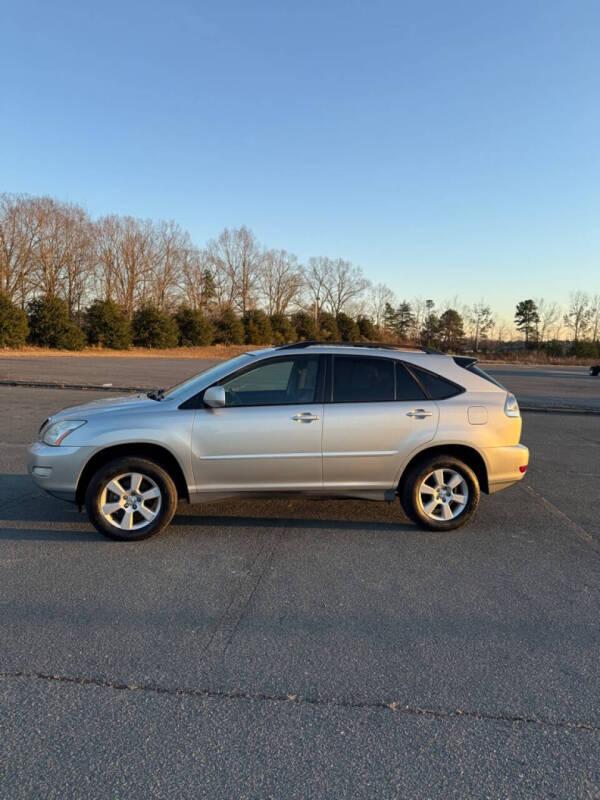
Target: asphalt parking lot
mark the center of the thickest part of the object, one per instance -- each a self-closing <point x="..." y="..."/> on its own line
<point x="297" y="649"/>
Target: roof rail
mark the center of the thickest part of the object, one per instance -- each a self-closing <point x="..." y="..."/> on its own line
<point x="373" y="345"/>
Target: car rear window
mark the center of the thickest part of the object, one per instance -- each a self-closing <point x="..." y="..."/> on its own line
<point x="437" y="388"/>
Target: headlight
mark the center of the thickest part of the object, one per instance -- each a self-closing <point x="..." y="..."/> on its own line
<point x="511" y="407"/>
<point x="54" y="434"/>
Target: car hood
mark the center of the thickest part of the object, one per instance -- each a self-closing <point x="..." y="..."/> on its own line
<point x="109" y="405"/>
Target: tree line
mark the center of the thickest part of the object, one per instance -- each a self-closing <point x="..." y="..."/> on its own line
<point x="68" y="280"/>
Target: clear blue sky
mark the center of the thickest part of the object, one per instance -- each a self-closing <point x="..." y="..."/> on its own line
<point x="448" y="147"/>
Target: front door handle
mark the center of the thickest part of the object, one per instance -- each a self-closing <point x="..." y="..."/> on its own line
<point x="420" y="413"/>
<point x="306" y="416"/>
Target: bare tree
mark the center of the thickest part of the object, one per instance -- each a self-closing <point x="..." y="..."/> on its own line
<point x="197" y="281"/>
<point x="577" y="318"/>
<point x="315" y="279"/>
<point x="345" y="285"/>
<point x="52" y="248"/>
<point x="169" y="248"/>
<point x="380" y="295"/>
<point x="549" y="314"/>
<point x="336" y="285"/>
<point x="492" y="331"/>
<point x="279" y="280"/>
<point x="236" y="259"/>
<point x="481" y="320"/>
<point x="18" y="238"/>
<point x="453" y="303"/>
<point x="124" y="254"/>
<point x="135" y="275"/>
<point x="106" y="235"/>
<point x="502" y="331"/>
<point x="79" y="257"/>
<point x="419" y="309"/>
<point x="60" y="259"/>
<point x="595" y="318"/>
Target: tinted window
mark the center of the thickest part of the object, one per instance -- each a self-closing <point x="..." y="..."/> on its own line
<point x="436" y="387"/>
<point x="361" y="380"/>
<point x="406" y="386"/>
<point x="281" y="382"/>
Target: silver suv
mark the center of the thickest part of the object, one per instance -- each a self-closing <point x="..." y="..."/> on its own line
<point x="377" y="422"/>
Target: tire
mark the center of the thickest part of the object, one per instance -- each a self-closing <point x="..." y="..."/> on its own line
<point x="447" y="514"/>
<point x="138" y="512"/>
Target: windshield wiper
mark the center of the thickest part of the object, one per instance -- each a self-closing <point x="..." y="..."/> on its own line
<point x="156" y="394"/>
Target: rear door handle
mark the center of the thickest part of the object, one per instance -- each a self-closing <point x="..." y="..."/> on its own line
<point x="420" y="413"/>
<point x="306" y="416"/>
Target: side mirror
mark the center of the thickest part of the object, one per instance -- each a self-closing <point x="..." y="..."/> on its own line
<point x="214" y="397"/>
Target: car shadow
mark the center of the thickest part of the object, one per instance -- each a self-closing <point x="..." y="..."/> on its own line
<point x="48" y="535"/>
<point x="21" y="502"/>
<point x="258" y="521"/>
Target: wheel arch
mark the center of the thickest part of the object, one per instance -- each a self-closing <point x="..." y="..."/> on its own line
<point x="469" y="455"/>
<point x="153" y="452"/>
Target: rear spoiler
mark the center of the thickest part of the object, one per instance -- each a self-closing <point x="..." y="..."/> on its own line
<point x="465" y="361"/>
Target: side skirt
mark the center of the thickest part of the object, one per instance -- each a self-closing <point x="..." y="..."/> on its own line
<point x="380" y="495"/>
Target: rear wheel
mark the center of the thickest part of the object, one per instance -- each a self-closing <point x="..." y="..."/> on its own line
<point x="130" y="499"/>
<point x="440" y="493"/>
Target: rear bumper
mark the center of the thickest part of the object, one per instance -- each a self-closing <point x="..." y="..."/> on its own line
<point x="57" y="469"/>
<point x="504" y="465"/>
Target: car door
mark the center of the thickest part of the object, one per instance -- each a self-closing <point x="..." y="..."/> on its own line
<point x="268" y="434"/>
<point x="375" y="415"/>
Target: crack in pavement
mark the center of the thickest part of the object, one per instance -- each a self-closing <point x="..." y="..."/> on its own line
<point x="223" y="694"/>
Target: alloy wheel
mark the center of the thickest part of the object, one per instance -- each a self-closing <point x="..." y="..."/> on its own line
<point x="443" y="494"/>
<point x="130" y="501"/>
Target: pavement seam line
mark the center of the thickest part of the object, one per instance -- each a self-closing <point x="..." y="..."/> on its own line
<point x="222" y="694"/>
<point x="242" y="596"/>
<point x="577" y="529"/>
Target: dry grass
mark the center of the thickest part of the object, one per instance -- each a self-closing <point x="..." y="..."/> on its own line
<point x="223" y="352"/>
<point x="216" y="351"/>
<point x="536" y="359"/>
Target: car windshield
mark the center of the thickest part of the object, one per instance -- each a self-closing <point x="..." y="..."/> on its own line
<point x="205" y="377"/>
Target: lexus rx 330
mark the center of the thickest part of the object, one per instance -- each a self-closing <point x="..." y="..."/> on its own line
<point x="374" y="422"/>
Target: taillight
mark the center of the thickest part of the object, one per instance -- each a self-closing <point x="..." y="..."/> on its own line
<point x="523" y="469"/>
<point x="511" y="407"/>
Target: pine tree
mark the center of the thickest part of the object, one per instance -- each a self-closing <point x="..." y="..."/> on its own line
<point x="527" y="319"/>
<point x="404" y="320"/>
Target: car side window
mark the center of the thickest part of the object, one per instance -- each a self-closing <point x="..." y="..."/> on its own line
<point x="406" y="386"/>
<point x="436" y="387"/>
<point x="359" y="379"/>
<point x="281" y="382"/>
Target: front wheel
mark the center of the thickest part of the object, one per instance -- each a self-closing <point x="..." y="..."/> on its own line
<point x="440" y="493"/>
<point x="130" y="499"/>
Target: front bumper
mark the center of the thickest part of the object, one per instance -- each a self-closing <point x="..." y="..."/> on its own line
<point x="57" y="469"/>
<point x="504" y="465"/>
